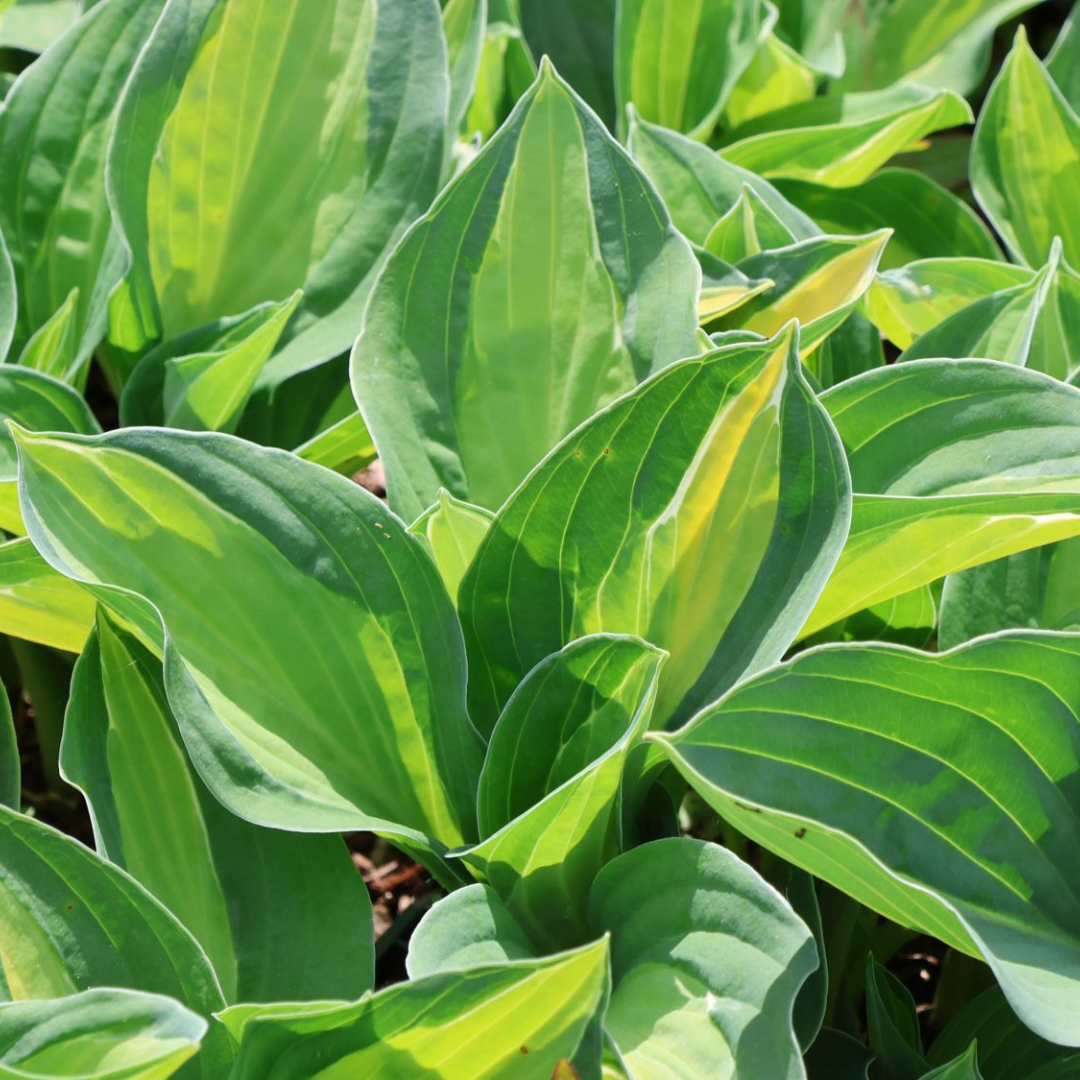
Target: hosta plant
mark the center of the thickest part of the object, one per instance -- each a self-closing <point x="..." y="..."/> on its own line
<point x="541" y="539"/>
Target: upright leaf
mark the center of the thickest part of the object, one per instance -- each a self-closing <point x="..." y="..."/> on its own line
<point x="677" y="64"/>
<point x="1025" y="159"/>
<point x="1063" y="63"/>
<point x="280" y="915"/>
<point x="54" y="348"/>
<point x="545" y="281"/>
<point x="464" y="22"/>
<point x="938" y="790"/>
<point x="364" y="724"/>
<point x="893" y="1025"/>
<point x="701" y="512"/>
<point x="107" y="1034"/>
<point x="54" y="128"/>
<point x="266" y="147"/>
<point x="452" y="531"/>
<point x="10" y="766"/>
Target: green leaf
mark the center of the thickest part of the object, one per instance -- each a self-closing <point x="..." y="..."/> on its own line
<point x="838" y="1056"/>
<point x="748" y="228"/>
<point x="202" y="380"/>
<point x="464" y="23"/>
<point x="723" y="289"/>
<point x="893" y="1026"/>
<point x="505" y="1020"/>
<point x="548" y="801"/>
<point x="334" y="597"/>
<point x="544" y="282"/>
<point x="776" y="77"/>
<point x="909" y="301"/>
<point x="344" y="447"/>
<point x="39" y="604"/>
<point x="1002" y="595"/>
<point x="843" y="140"/>
<point x="699" y="187"/>
<point x="1006" y="1048"/>
<point x="56" y="124"/>
<point x="852" y="348"/>
<point x="1025" y="160"/>
<point x="35" y="25"/>
<point x="8" y="301"/>
<point x="701" y="512"/>
<point x="71" y="921"/>
<point x="813" y="27"/>
<point x="927" y="220"/>
<point x="53" y="349"/>
<point x="10" y="765"/>
<point x="36" y="402"/>
<point x="579" y="38"/>
<point x="471" y="927"/>
<point x="452" y="531"/>
<point x="1063" y="63"/>
<point x="706" y="959"/>
<point x="235" y="181"/>
<point x="953" y="463"/>
<point x="962" y="1068"/>
<point x="937" y="790"/>
<point x="107" y="1034"/>
<point x="507" y="70"/>
<point x="280" y="915"/>
<point x="678" y="63"/>
<point x="817" y="281"/>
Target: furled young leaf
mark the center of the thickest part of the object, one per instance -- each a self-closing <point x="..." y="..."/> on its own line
<point x="506" y="1020"/>
<point x="748" y="228"/>
<point x="677" y="63"/>
<point x="953" y="463"/>
<point x="38" y="403"/>
<point x="10" y="765"/>
<point x="235" y="182"/>
<point x="464" y="22"/>
<point x="816" y="281"/>
<point x="548" y="801"/>
<point x="452" y="530"/>
<point x="471" y="927"/>
<point x="814" y="29"/>
<point x="935" y="789"/>
<point x="927" y="220"/>
<point x="893" y="1026"/>
<point x="1006" y="1049"/>
<point x="1063" y="63"/>
<point x="507" y="70"/>
<point x="363" y="723"/>
<point x="545" y="281"/>
<point x="699" y="187"/>
<point x="843" y="140"/>
<point x="702" y="512"/>
<point x="107" y="1034"/>
<point x="202" y="380"/>
<point x="37" y="603"/>
<point x="706" y="961"/>
<point x="280" y="915"/>
<point x="961" y="1068"/>
<point x="54" y="347"/>
<point x="70" y="921"/>
<point x="54" y="131"/>
<point x="776" y="77"/>
<point x="906" y="302"/>
<point x="1025" y="160"/>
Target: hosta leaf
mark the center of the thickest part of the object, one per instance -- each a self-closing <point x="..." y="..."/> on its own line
<point x="10" y="765"/>
<point x="33" y="25"/>
<point x="1002" y="595"/>
<point x="906" y="302"/>
<point x="817" y="281"/>
<point x="107" y="1034"/>
<point x="235" y="182"/>
<point x="545" y="281"/>
<point x="369" y="661"/>
<point x="748" y="228"/>
<point x="953" y="463"/>
<point x="345" y="447"/>
<point x="852" y="348"/>
<point x="8" y="301"/>
<point x="471" y="927"/>
<point x="280" y="915"/>
<point x="39" y="604"/>
<point x="548" y="798"/>
<point x="961" y="1068"/>
<point x="1063" y="63"/>
<point x="579" y="37"/>
<point x="1006" y="1049"/>
<point x="701" y="512"/>
<point x="706" y="961"/>
<point x="723" y="289"/>
<point x="506" y="1020"/>
<point x="53" y="349"/>
<point x="39" y="403"/>
<point x="843" y="140"/>
<point x="55" y="126"/>
<point x="938" y="790"/>
<point x="464" y="22"/>
<point x="813" y="27"/>
<point x="927" y="220"/>
<point x="71" y="921"/>
<point x="202" y="380"/>
<point x="776" y="77"/>
<point x="452" y="530"/>
<point x="1025" y="160"/>
<point x="699" y="187"/>
<point x="908" y="619"/>
<point x="836" y="1054"/>
<point x="892" y="1026"/>
<point x="507" y="70"/>
<point x="677" y="64"/>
